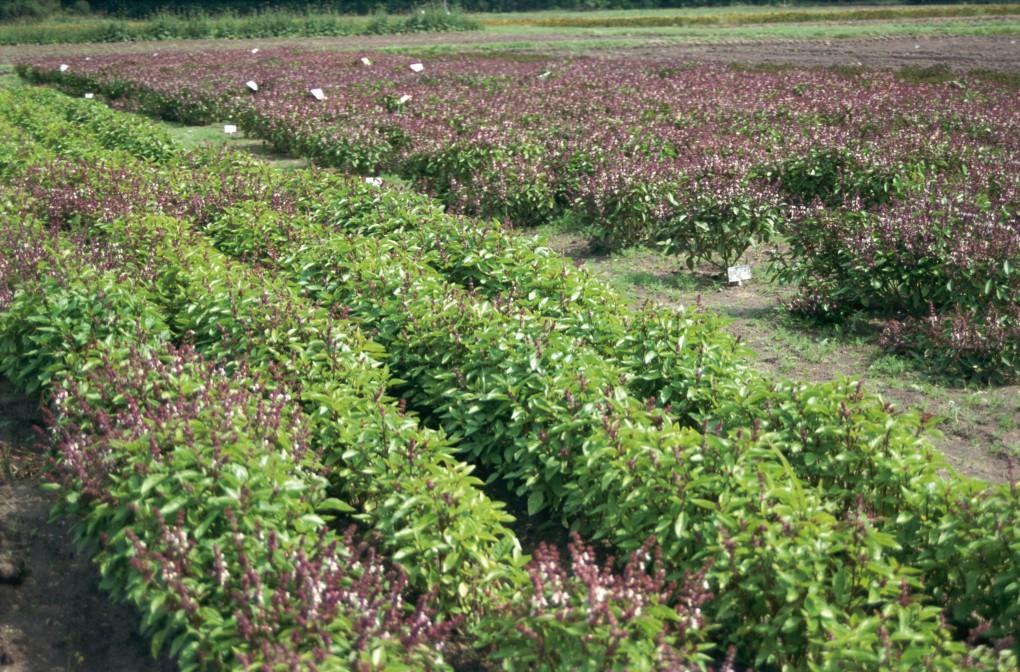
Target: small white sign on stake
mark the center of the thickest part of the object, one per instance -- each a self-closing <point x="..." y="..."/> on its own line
<point x="737" y="275"/>
<point x="64" y="67"/>
<point x="255" y="50"/>
<point x="404" y="98"/>
<point x="252" y="85"/>
<point x="90" y="96"/>
<point x="365" y="60"/>
<point x="318" y="94"/>
<point x="229" y="129"/>
<point x="417" y="67"/>
<point x="374" y="181"/>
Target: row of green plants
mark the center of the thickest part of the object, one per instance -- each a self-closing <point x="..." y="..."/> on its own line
<point x="194" y="489"/>
<point x="170" y="461"/>
<point x="495" y="374"/>
<point x="368" y="299"/>
<point x="230" y="313"/>
<point x="48" y="123"/>
<point x="204" y="316"/>
<point x="754" y="486"/>
<point x="397" y="480"/>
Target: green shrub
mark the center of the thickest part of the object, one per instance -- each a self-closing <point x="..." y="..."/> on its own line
<point x="27" y="9"/>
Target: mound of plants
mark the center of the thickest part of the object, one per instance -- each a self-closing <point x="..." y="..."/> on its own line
<point x="941" y="268"/>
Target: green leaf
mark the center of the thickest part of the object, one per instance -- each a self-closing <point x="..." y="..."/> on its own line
<point x="680" y="524"/>
<point x="535" y="502"/>
<point x="150" y="482"/>
<point x="334" y="504"/>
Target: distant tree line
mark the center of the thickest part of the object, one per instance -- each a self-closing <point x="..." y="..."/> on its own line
<point x="13" y="9"/>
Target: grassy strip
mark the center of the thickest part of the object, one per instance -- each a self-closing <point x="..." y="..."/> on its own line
<point x="586" y="41"/>
<point x="261" y="25"/>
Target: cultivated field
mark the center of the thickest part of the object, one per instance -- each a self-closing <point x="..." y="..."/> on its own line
<point x="319" y="397"/>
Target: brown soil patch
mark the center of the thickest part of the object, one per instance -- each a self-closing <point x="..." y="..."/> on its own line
<point x="52" y="615"/>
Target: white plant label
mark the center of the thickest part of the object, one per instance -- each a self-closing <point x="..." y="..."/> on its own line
<point x="252" y="85"/>
<point x="229" y="129"/>
<point x="738" y="274"/>
<point x="404" y="98"/>
<point x="417" y="67"/>
<point x="545" y="75"/>
<point x="318" y="94"/>
<point x="64" y="67"/>
<point x="365" y="61"/>
<point x="255" y="50"/>
<point x="90" y="96"/>
<point x="374" y="181"/>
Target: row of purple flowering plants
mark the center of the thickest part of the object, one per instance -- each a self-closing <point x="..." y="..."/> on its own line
<point x="890" y="198"/>
<point x="796" y="525"/>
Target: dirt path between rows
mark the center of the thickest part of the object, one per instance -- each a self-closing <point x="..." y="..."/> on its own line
<point x="53" y="617"/>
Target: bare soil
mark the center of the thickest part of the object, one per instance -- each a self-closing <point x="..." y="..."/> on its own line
<point x="52" y="615"/>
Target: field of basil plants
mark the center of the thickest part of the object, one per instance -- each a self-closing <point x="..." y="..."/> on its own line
<point x="890" y="198"/>
<point x="305" y="421"/>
